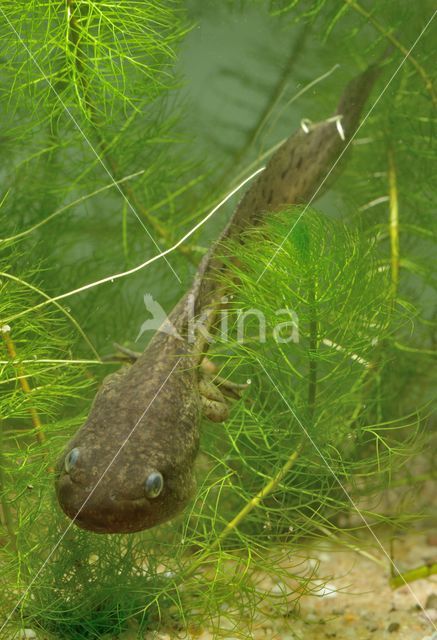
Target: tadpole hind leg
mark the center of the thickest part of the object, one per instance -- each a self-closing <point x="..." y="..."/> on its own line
<point x="228" y="388"/>
<point x="123" y="354"/>
<point x="132" y="355"/>
<point x="214" y="404"/>
<point x="216" y="393"/>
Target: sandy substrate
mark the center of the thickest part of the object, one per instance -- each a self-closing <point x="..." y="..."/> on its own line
<point x="356" y="603"/>
<point x="353" y="601"/>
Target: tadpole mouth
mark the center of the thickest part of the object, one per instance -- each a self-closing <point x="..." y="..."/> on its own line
<point x="98" y="512"/>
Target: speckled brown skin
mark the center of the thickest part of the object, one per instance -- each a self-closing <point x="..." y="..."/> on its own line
<point x="146" y="418"/>
<point x="129" y="426"/>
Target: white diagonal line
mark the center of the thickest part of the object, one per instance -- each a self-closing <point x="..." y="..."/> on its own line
<point x="347" y="145"/>
<point x="345" y="491"/>
<point x="88" y="497"/>
<point x="89" y="143"/>
<point x="158" y="256"/>
<point x="73" y="203"/>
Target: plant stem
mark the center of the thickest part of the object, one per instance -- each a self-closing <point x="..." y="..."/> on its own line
<point x="5" y="331"/>
<point x="75" y="41"/>
<point x="424" y="571"/>
<point x="394" y="221"/>
<point x="7" y="515"/>
<point x="249" y="506"/>
<point x="5" y="510"/>
<point x="257" y="499"/>
<point x="312" y="353"/>
<point x="341" y="541"/>
<point x="48" y="299"/>
<point x="379" y="27"/>
<point x="131" y="197"/>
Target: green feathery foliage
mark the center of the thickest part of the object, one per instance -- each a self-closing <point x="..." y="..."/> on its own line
<point x="320" y="347"/>
<point x="103" y="165"/>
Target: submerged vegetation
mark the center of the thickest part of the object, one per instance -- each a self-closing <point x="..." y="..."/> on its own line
<point x="111" y="153"/>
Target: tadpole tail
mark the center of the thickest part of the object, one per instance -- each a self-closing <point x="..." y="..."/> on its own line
<point x="356" y="95"/>
<point x="298" y="173"/>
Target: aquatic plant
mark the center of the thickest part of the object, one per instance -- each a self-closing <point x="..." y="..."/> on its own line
<point x="99" y="141"/>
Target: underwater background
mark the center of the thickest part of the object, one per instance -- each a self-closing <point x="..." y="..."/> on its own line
<point x="122" y="125"/>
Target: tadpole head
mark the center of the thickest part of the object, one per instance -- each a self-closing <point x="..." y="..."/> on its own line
<point x="130" y="466"/>
<point x="100" y="504"/>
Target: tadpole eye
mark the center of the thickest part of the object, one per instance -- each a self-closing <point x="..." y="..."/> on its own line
<point x="154" y="484"/>
<point x="70" y="459"/>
